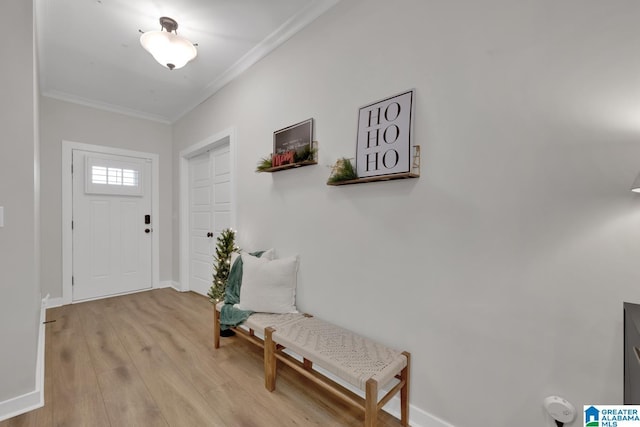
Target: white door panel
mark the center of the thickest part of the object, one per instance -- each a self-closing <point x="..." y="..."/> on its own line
<point x="111" y="251"/>
<point x="222" y="218"/>
<point x="223" y="162"/>
<point x="221" y="189"/>
<point x="201" y="245"/>
<point x="201" y="224"/>
<point x="200" y="170"/>
<point x="209" y="212"/>
<point x="130" y="237"/>
<point x="98" y="239"/>
<point x="223" y="193"/>
<point x="202" y="271"/>
<point x="201" y="221"/>
<point x="202" y="195"/>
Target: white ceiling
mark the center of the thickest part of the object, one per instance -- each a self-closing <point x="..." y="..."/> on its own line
<point x="89" y="50"/>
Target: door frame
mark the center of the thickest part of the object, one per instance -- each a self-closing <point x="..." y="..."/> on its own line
<point x="213" y="141"/>
<point x="67" y="210"/>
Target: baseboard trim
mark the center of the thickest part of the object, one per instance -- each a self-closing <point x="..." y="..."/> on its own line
<point x="21" y="404"/>
<point x="58" y="302"/>
<point x="34" y="399"/>
<point x="54" y="302"/>
<point x="171" y="284"/>
<point x="418" y="417"/>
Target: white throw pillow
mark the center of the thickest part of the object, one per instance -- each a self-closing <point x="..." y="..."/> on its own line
<point x="268" y="254"/>
<point x="269" y="286"/>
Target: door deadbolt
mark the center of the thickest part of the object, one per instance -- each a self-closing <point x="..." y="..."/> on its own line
<point x="147" y="230"/>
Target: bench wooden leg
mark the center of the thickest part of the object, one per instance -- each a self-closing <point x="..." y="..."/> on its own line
<point x="371" y="404"/>
<point x="270" y="362"/>
<point x="404" y="392"/>
<point x="308" y="364"/>
<point x="216" y="328"/>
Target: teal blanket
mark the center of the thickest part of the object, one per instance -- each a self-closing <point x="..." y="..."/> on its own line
<point x="229" y="315"/>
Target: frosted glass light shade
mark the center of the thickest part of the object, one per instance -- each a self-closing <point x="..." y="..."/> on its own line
<point x="169" y="49"/>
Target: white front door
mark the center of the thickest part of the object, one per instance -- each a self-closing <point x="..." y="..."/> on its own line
<point x="112" y="224"/>
<point x="209" y="212"/>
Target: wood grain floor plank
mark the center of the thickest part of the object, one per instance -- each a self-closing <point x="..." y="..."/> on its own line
<point x="219" y="383"/>
<point x="194" y="363"/>
<point x="106" y="351"/>
<point x="188" y="315"/>
<point x="76" y="396"/>
<point x="203" y="363"/>
<point x="178" y="399"/>
<point x="64" y="318"/>
<point x="297" y="405"/>
<point x="127" y="399"/>
<point x="147" y="359"/>
<point x="232" y="400"/>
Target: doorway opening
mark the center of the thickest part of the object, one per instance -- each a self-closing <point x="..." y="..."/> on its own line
<point x="128" y="163"/>
<point x="198" y="230"/>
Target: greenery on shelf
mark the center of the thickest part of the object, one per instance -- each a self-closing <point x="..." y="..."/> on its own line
<point x="343" y="170"/>
<point x="264" y="164"/>
<point x="307" y="154"/>
<point x="225" y="246"/>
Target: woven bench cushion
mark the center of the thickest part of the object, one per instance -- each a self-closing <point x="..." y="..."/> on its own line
<point x="260" y="321"/>
<point x="351" y="357"/>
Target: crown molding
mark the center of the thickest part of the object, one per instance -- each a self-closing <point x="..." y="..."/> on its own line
<point x="62" y="96"/>
<point x="287" y="30"/>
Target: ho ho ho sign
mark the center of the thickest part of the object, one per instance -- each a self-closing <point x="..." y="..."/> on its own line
<point x="384" y="136"/>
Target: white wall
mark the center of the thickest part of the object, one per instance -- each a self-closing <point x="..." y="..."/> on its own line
<point x="19" y="287"/>
<point x="504" y="267"/>
<point x="60" y="121"/>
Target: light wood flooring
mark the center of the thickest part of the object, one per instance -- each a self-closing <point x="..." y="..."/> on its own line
<point x="147" y="359"/>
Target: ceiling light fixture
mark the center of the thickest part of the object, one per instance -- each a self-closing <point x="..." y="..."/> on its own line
<point x="167" y="47"/>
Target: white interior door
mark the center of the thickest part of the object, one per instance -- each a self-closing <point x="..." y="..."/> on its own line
<point x="112" y="237"/>
<point x="209" y="212"/>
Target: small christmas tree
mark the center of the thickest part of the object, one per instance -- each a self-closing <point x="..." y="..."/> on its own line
<point x="225" y="247"/>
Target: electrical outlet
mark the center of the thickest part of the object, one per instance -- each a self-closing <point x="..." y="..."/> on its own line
<point x="560" y="409"/>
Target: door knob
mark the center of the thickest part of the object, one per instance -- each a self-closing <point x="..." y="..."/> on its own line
<point x="147" y="230"/>
<point x="209" y="234"/>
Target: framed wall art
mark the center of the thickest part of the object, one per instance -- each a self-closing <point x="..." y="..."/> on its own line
<point x="294" y="139"/>
<point x="384" y="136"/>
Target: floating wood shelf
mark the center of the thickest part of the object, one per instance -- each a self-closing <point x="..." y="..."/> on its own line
<point x="377" y="178"/>
<point x="289" y="166"/>
<point x="415" y="172"/>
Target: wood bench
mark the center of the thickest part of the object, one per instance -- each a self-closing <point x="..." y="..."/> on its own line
<point x="361" y="362"/>
<point x="256" y="322"/>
